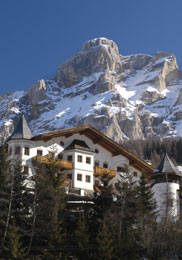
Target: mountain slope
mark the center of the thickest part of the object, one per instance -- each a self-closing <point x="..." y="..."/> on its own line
<point x="135" y="96"/>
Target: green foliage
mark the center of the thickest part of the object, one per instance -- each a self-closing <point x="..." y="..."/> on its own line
<point x="155" y="149"/>
<point x="41" y="225"/>
<point x="50" y="225"/>
<point x="146" y="204"/>
<point x="13" y="246"/>
<point x="82" y="240"/>
<point x="105" y="247"/>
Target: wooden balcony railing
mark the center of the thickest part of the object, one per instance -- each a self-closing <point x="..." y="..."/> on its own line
<point x="99" y="171"/>
<point x="67" y="183"/>
<point x="61" y="163"/>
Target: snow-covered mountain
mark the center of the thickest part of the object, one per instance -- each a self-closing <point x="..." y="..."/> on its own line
<point x="135" y="96"/>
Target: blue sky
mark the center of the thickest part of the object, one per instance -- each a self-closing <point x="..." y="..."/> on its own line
<point x="36" y="36"/>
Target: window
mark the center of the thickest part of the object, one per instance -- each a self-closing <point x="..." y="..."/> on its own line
<point x="62" y="143"/>
<point x="60" y="156"/>
<point x="10" y="150"/>
<point x="17" y="150"/>
<point x="135" y="174"/>
<point x="97" y="163"/>
<point x="25" y="169"/>
<point x="120" y="169"/>
<point x="39" y="152"/>
<point x="105" y="165"/>
<point x="79" y="158"/>
<point x="27" y="150"/>
<point x="69" y="158"/>
<point x="51" y="155"/>
<point x="88" y="160"/>
<point x="96" y="151"/>
<point x="79" y="177"/>
<point x="69" y="176"/>
<point x="88" y="179"/>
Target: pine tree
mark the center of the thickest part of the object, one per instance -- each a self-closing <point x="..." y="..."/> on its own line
<point x="146" y="215"/>
<point x="5" y="192"/>
<point x="146" y="204"/>
<point x="82" y="240"/>
<point x="13" y="246"/>
<point x="50" y="233"/>
<point x="105" y="247"/>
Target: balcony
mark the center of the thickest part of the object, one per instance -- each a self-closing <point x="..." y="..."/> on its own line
<point x="99" y="171"/>
<point x="67" y="183"/>
<point x="63" y="164"/>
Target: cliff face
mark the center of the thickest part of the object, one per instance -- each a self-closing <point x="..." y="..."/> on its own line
<point x="133" y="96"/>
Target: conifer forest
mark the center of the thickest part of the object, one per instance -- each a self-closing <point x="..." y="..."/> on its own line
<point x="39" y="220"/>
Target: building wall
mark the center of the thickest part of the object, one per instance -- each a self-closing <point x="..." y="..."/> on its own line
<point x="167" y="198"/>
<point x="57" y="145"/>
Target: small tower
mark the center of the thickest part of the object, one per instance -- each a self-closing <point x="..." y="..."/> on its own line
<point x="19" y="143"/>
<point x="166" y="184"/>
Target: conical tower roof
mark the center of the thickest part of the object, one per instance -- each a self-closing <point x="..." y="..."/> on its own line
<point x="22" y="130"/>
<point x="166" y="166"/>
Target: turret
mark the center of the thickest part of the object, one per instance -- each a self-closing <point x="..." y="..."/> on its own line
<point x="19" y="143"/>
<point x="166" y="184"/>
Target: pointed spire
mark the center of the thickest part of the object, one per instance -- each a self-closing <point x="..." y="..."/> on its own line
<point x="22" y="130"/>
<point x="166" y="166"/>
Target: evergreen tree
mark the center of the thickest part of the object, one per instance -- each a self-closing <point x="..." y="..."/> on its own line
<point x="146" y="204"/>
<point x="5" y="191"/>
<point x="13" y="246"/>
<point x="105" y="247"/>
<point x="50" y="233"/>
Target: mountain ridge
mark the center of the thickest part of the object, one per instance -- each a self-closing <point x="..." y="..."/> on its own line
<point x="125" y="97"/>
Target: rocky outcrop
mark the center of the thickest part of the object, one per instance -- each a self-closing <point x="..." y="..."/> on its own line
<point x="99" y="55"/>
<point x="126" y="97"/>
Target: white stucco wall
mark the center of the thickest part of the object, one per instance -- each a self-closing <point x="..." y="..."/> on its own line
<point x="55" y="145"/>
<point x="167" y="198"/>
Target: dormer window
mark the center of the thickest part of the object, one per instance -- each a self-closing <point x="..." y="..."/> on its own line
<point x="17" y="150"/>
<point x="27" y="150"/>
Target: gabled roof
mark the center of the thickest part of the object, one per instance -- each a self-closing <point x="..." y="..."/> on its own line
<point x="166" y="166"/>
<point x="79" y="145"/>
<point x="21" y="131"/>
<point x="101" y="139"/>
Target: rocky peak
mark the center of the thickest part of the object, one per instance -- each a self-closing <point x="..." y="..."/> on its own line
<point x="134" y="96"/>
<point x="100" y="42"/>
<point x="36" y="92"/>
<point x="98" y="55"/>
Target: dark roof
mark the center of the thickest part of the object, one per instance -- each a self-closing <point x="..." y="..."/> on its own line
<point x="166" y="166"/>
<point x="79" y="145"/>
<point x="21" y="131"/>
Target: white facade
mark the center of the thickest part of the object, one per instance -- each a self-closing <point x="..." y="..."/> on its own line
<point x="82" y="173"/>
<point x="166" y="195"/>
